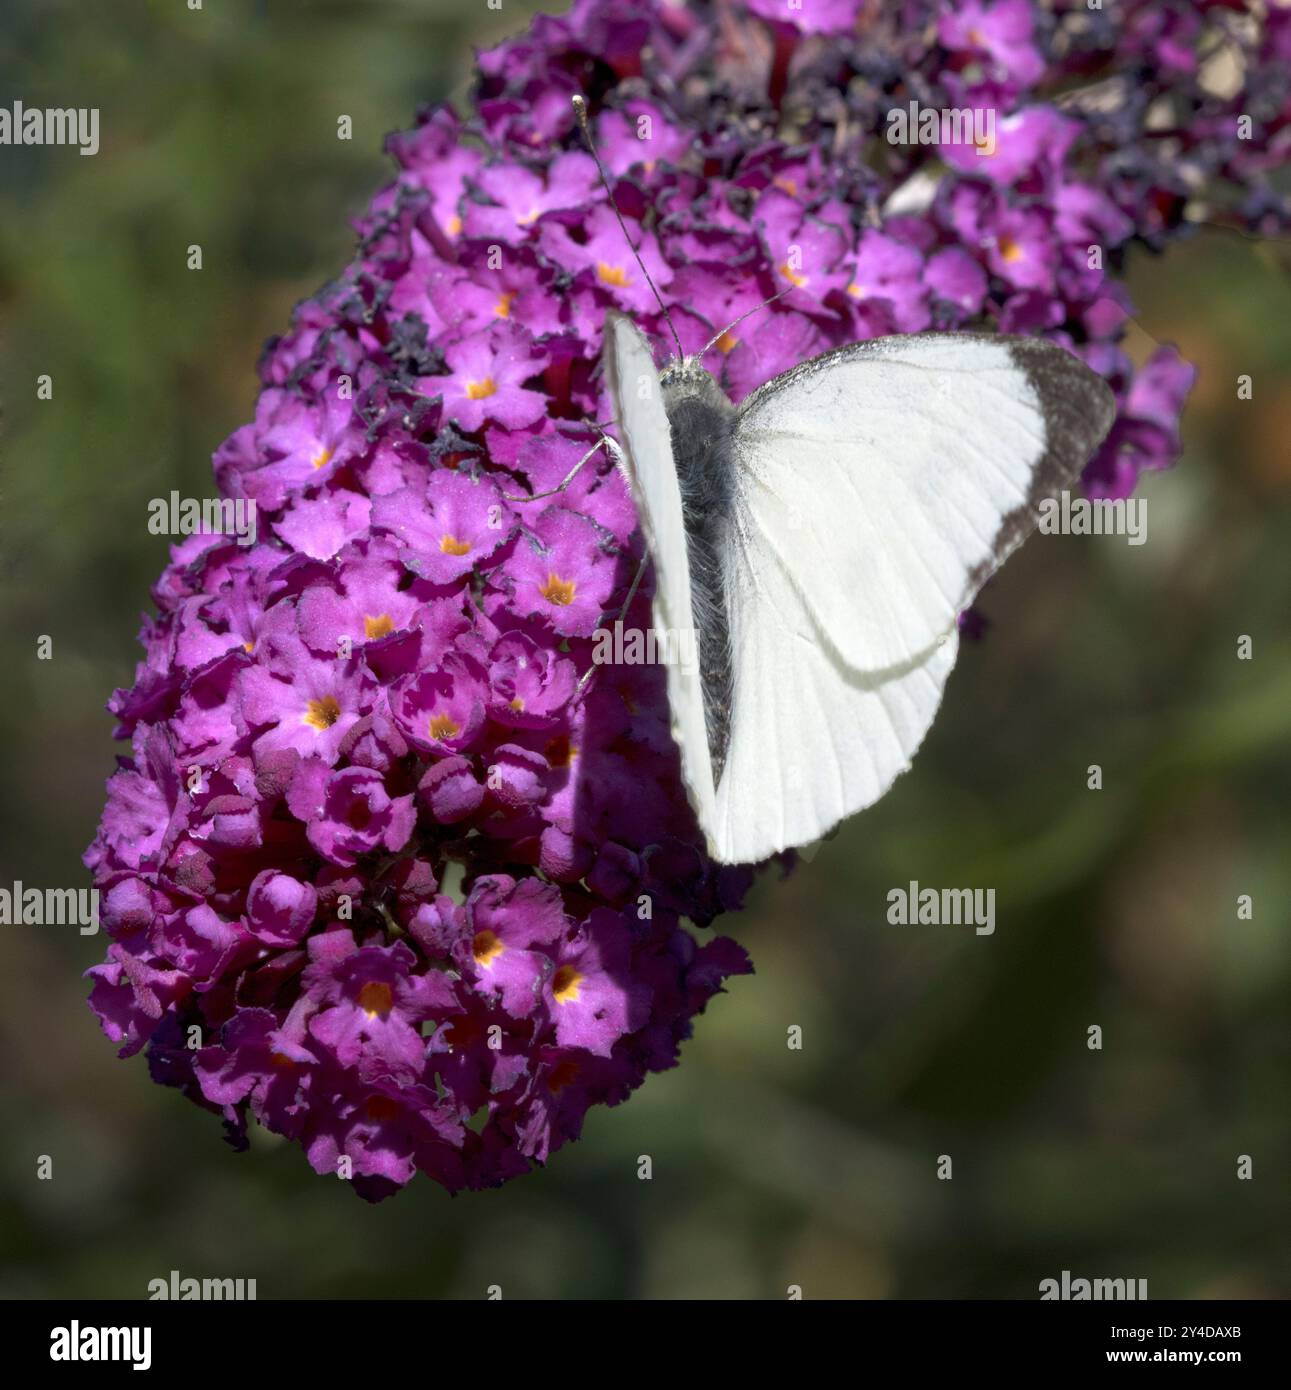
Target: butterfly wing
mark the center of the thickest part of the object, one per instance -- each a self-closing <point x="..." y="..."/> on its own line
<point x="646" y="452"/>
<point x="876" y="490"/>
<point x="811" y="740"/>
<point x="892" y="478"/>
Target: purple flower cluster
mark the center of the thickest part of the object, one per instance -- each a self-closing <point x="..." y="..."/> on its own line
<point x="380" y="870"/>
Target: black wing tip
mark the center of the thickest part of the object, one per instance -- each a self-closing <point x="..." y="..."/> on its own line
<point x="1071" y="393"/>
<point x="1078" y="408"/>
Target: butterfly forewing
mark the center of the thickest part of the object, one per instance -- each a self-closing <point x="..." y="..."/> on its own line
<point x="892" y="477"/>
<point x="645" y="440"/>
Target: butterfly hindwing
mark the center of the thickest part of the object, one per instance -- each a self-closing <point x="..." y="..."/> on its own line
<point x="811" y="740"/>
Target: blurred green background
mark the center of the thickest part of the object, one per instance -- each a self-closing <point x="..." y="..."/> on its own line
<point x="771" y="1167"/>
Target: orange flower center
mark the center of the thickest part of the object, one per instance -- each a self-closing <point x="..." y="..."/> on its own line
<point x="323" y="713"/>
<point x="564" y="984"/>
<point x="376" y="998"/>
<point x="557" y="590"/>
<point x="486" y="948"/>
<point x="443" y="726"/>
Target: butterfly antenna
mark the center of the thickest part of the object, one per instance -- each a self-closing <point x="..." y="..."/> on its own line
<point x="580" y="110"/>
<point x="757" y="309"/>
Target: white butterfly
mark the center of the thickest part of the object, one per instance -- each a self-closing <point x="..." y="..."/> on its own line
<point x="822" y="538"/>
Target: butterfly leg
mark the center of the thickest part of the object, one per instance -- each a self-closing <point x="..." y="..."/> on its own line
<point x="632" y="591"/>
<point x="602" y="442"/>
<point x="622" y="613"/>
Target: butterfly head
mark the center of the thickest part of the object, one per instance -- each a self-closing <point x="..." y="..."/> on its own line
<point x="686" y="385"/>
<point x="684" y="371"/>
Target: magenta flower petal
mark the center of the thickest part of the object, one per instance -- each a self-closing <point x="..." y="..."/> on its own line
<point x="454" y="525"/>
